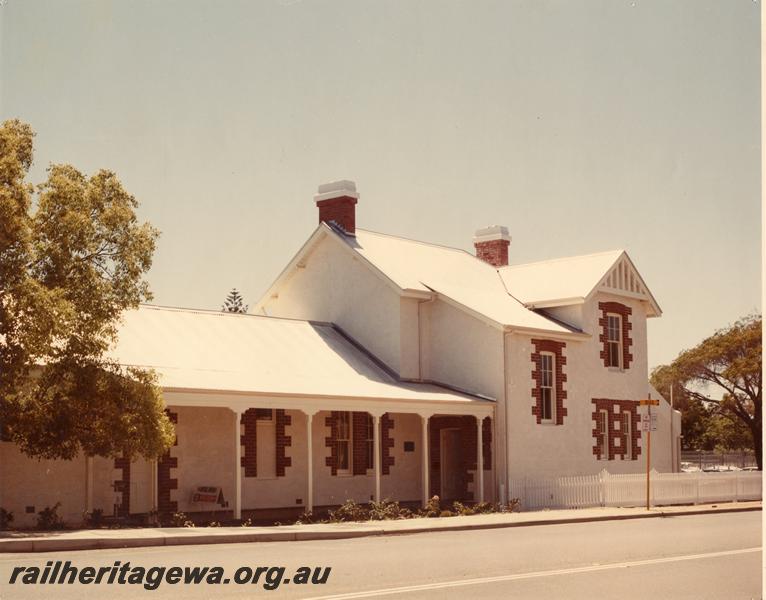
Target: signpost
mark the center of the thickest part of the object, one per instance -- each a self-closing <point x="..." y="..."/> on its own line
<point x="648" y="424"/>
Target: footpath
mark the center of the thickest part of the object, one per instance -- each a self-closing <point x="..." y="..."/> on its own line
<point x="92" y="539"/>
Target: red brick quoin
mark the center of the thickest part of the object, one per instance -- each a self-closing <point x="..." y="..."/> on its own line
<point x="164" y="482"/>
<point x="560" y="378"/>
<point x="249" y="440"/>
<point x="283" y="441"/>
<point x="627" y="341"/>
<point x="614" y="428"/>
<point x="122" y="485"/>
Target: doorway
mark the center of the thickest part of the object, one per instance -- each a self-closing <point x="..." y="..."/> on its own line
<point x="449" y="449"/>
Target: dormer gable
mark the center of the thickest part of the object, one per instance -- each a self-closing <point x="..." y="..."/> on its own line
<point x="623" y="279"/>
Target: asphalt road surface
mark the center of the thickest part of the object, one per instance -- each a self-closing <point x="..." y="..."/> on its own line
<point x="694" y="557"/>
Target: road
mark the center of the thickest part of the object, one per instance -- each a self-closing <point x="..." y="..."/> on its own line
<point x="694" y="557"/>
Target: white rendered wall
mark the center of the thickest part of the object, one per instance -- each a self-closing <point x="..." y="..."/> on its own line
<point x="336" y="287"/>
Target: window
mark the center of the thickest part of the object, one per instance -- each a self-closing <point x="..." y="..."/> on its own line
<point x="604" y="438"/>
<point x="369" y="442"/>
<point x="343" y="441"/>
<point x="614" y="340"/>
<point x="546" y="387"/>
<point x="627" y="435"/>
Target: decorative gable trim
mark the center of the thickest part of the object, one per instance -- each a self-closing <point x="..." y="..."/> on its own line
<point x="623" y="279"/>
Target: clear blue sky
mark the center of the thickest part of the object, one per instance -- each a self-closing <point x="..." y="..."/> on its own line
<point x="582" y="126"/>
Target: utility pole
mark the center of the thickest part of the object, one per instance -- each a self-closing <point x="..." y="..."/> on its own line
<point x="647" y="427"/>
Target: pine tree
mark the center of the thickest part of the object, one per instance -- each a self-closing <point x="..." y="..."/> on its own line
<point x="234" y="303"/>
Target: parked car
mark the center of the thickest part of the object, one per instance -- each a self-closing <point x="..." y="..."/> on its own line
<point x="720" y="469"/>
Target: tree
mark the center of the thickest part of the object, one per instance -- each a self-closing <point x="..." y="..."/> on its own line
<point x="234" y="303"/>
<point x="68" y="268"/>
<point x="730" y="360"/>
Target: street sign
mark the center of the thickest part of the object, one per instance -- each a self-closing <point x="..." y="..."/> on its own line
<point x="649" y="402"/>
<point x="648" y="422"/>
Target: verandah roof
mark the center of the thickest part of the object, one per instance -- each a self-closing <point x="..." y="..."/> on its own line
<point x="224" y="352"/>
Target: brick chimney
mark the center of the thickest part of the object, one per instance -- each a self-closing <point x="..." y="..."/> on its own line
<point x="491" y="245"/>
<point x="337" y="204"/>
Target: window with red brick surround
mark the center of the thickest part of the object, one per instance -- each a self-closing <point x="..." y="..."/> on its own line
<point x="249" y="439"/>
<point x="615" y="308"/>
<point x="359" y="422"/>
<point x="556" y="349"/>
<point x="616" y="441"/>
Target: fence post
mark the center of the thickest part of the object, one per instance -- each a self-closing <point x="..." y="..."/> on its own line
<point x="602" y="487"/>
<point x="699" y="475"/>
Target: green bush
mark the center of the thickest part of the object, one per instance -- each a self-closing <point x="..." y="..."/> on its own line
<point x="387" y="510"/>
<point x="307" y="518"/>
<point x="180" y="519"/>
<point x="48" y="518"/>
<point x="95" y="518"/>
<point x="6" y="518"/>
<point x="433" y="508"/>
<point x="347" y="512"/>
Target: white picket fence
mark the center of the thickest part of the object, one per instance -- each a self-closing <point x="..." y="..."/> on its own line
<point x="605" y="489"/>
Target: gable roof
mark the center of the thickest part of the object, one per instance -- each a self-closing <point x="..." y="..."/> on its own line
<point x="573" y="279"/>
<point x="226" y="352"/>
<point x="455" y="275"/>
<point x="508" y="297"/>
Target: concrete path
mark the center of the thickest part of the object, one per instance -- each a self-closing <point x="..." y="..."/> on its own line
<point x="92" y="539"/>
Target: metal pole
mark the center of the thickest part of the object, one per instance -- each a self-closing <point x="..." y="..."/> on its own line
<point x="648" y="449"/>
<point x="672" y="439"/>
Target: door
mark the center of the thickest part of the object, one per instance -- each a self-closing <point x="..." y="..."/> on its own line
<point x="450" y="465"/>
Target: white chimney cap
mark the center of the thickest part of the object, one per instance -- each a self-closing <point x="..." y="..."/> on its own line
<point x="336" y="189"/>
<point x="491" y="233"/>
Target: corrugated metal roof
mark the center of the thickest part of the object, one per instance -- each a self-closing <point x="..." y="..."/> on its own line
<point x="454" y="273"/>
<point x="216" y="351"/>
<point x="571" y="277"/>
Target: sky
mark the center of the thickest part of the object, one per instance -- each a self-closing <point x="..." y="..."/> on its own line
<point x="582" y="126"/>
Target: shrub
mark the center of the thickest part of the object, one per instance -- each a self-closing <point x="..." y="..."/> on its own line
<point x="48" y="518"/>
<point x="460" y="509"/>
<point x="387" y="510"/>
<point x="180" y="519"/>
<point x="214" y="524"/>
<point x="247" y="522"/>
<point x="433" y="508"/>
<point x="95" y="518"/>
<point x="446" y="513"/>
<point x="348" y="511"/>
<point x="307" y="518"/>
<point x="484" y="508"/>
<point x="6" y="518"/>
